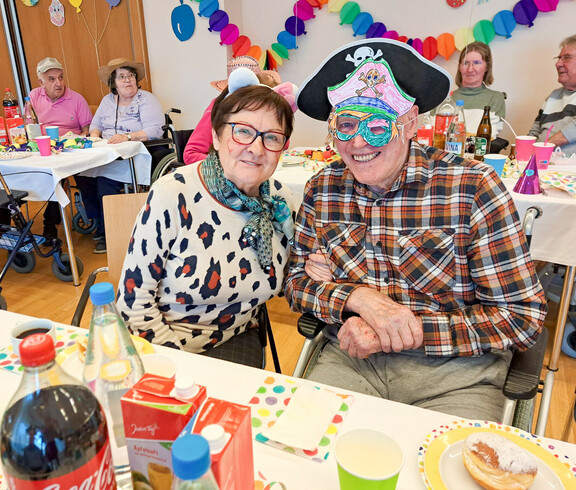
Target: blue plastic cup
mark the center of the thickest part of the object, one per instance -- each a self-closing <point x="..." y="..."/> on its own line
<point x="497" y="161"/>
<point x="52" y="131"/>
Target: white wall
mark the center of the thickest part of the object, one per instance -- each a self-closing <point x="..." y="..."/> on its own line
<point x="523" y="66"/>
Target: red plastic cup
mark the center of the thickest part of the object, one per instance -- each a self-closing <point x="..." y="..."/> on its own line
<point x="43" y="143"/>
<point x="543" y="152"/>
<point x="524" y="147"/>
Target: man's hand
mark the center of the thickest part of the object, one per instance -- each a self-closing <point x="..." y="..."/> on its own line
<point x="358" y="338"/>
<point x="396" y="326"/>
<point x="317" y="267"/>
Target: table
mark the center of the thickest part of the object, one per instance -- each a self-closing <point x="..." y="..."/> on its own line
<point x="236" y="383"/>
<point x="553" y="240"/>
<point x="41" y="176"/>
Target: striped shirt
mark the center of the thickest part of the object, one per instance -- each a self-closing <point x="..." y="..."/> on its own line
<point x="445" y="241"/>
<point x="559" y="109"/>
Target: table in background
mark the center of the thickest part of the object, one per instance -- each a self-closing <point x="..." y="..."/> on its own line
<point x="237" y="383"/>
<point x="41" y="176"/>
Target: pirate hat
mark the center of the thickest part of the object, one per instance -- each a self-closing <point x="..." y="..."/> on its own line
<point x="413" y="75"/>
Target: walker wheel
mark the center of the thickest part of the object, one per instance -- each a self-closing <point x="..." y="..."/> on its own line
<point x="24" y="262"/>
<point x="81" y="226"/>
<point x="65" y="275"/>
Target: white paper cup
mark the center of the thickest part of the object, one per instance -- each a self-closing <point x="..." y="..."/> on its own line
<point x="30" y="327"/>
<point x="159" y="365"/>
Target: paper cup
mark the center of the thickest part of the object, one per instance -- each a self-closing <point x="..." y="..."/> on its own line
<point x="52" y="131"/>
<point x="44" y="145"/>
<point x="543" y="152"/>
<point x="524" y="147"/>
<point x="368" y="460"/>
<point x="159" y="364"/>
<point x="497" y="161"/>
<point x="30" y="327"/>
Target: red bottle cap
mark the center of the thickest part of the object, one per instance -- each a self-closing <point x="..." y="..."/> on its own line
<point x="36" y="350"/>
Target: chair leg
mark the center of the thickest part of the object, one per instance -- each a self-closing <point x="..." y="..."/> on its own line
<point x="273" y="350"/>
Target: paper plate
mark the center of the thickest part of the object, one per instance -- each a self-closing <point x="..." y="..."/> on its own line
<point x="15" y="155"/>
<point x="440" y="457"/>
<point x="292" y="161"/>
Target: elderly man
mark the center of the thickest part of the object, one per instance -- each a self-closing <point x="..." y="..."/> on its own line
<point x="559" y="109"/>
<point x="57" y="105"/>
<point x="414" y="257"/>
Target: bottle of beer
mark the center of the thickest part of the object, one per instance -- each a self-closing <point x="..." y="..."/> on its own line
<point x="483" y="135"/>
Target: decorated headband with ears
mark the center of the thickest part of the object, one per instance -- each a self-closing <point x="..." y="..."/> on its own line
<point x="244" y="77"/>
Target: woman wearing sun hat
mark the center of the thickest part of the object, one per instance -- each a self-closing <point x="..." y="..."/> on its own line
<point x="201" y="139"/>
<point x="127" y="113"/>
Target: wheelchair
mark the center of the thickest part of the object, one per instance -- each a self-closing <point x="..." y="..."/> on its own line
<point x="166" y="154"/>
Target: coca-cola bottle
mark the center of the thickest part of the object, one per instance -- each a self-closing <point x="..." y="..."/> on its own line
<point x="11" y="106"/>
<point x="53" y="434"/>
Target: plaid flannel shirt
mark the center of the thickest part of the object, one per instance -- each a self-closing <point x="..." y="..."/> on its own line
<point x="445" y="241"/>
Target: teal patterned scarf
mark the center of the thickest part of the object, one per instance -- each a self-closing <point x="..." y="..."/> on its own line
<point x="266" y="212"/>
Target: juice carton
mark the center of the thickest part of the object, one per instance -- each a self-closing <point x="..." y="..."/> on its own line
<point x="233" y="460"/>
<point x="153" y="418"/>
<point x="16" y="130"/>
<point x="3" y="134"/>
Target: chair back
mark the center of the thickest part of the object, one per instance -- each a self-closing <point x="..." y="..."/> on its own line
<point x="120" y="211"/>
<point x="181" y="138"/>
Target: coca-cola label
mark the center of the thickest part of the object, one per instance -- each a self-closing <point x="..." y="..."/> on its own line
<point x="96" y="474"/>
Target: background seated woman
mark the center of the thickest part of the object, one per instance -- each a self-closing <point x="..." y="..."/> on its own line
<point x="126" y="114"/>
<point x="212" y="242"/>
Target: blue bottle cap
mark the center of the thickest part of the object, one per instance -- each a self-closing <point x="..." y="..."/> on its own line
<point x="102" y="293"/>
<point x="26" y="98"/>
<point x="460" y="102"/>
<point x="190" y="456"/>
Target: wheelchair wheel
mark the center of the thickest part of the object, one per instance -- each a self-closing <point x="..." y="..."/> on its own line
<point x="65" y="275"/>
<point x="163" y="167"/>
<point x="24" y="262"/>
<point x="81" y="226"/>
<point x="3" y="304"/>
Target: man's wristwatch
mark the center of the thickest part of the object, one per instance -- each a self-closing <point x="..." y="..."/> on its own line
<point x="129" y="136"/>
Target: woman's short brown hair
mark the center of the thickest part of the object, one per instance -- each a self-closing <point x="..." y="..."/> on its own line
<point x="251" y="98"/>
<point x="486" y="54"/>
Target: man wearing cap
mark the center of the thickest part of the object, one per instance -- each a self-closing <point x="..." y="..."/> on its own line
<point x="199" y="142"/>
<point x="57" y="105"/>
<point x="418" y="263"/>
<point x="558" y="112"/>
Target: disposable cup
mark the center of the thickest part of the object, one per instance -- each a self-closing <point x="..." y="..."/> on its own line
<point x="159" y="365"/>
<point x="52" y="131"/>
<point x="43" y="143"/>
<point x="497" y="161"/>
<point x="368" y="460"/>
<point x="524" y="147"/>
<point x="543" y="152"/>
<point x="30" y="327"/>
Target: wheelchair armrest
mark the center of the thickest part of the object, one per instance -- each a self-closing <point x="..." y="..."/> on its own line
<point x="161" y="142"/>
<point x="523" y="376"/>
<point x="309" y="326"/>
<point x="83" y="301"/>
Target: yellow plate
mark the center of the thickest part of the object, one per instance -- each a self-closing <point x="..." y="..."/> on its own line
<point x="441" y="466"/>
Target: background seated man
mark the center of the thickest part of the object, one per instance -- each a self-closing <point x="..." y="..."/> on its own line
<point x="559" y="109"/>
<point x="424" y="248"/>
<point x="57" y="105"/>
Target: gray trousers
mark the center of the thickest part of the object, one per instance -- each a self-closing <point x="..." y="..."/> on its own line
<point x="469" y="387"/>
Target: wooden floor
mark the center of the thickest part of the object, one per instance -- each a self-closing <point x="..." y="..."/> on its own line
<point x="40" y="294"/>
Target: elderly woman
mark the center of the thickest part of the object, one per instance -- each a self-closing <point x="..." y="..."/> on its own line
<point x="474" y="74"/>
<point x="212" y="242"/>
<point x="127" y="113"/>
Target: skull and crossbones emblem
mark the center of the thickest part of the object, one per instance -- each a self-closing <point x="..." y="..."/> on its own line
<point x="372" y="81"/>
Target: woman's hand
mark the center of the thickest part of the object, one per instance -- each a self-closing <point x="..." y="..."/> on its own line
<point x="317" y="267"/>
<point x="118" y="138"/>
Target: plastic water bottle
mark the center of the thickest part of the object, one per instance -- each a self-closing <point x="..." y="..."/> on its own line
<point x="456" y="134"/>
<point x="30" y="119"/>
<point x="111" y="368"/>
<point x="11" y="107"/>
<point x="191" y="464"/>
<point x="444" y="117"/>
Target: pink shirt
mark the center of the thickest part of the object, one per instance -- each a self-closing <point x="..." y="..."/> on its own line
<point x="70" y="112"/>
<point x="201" y="139"/>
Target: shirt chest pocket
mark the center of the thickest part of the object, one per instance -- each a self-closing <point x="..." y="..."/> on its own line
<point x="346" y="248"/>
<point x="426" y="259"/>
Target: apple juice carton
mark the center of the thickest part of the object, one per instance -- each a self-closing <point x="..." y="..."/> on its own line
<point x="154" y="413"/>
<point x="16" y="131"/>
<point x="227" y="427"/>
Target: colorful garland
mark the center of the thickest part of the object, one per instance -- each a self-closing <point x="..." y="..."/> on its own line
<point x="503" y="23"/>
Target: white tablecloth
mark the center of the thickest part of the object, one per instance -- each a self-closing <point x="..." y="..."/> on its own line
<point x="554" y="235"/>
<point x="236" y="383"/>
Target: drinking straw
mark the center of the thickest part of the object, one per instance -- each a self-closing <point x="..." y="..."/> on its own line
<point x="511" y="128"/>
<point x="548" y="134"/>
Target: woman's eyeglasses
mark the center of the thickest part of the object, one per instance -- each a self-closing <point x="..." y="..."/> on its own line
<point x="244" y="134"/>
<point x="122" y="78"/>
<point x="472" y="63"/>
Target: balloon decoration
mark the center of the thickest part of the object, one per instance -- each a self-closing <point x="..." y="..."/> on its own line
<point x="183" y="22"/>
<point x="524" y="12"/>
<point x="29" y="3"/>
<point x="56" y="11"/>
<point x="76" y="3"/>
<point x="113" y="3"/>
